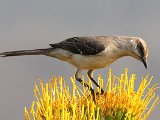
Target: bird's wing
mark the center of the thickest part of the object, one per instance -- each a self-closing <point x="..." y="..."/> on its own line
<point x="81" y="45"/>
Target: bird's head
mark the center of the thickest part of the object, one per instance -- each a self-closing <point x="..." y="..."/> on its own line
<point x="139" y="50"/>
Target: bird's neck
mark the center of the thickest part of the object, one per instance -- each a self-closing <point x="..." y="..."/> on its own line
<point x="122" y="48"/>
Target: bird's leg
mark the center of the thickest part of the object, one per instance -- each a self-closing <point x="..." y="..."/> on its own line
<point x="90" y="75"/>
<point x="78" y="78"/>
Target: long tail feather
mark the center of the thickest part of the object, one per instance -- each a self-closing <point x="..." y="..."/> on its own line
<point x="24" y="52"/>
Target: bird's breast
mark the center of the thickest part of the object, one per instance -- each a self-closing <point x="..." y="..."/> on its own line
<point x="97" y="61"/>
<point x="91" y="62"/>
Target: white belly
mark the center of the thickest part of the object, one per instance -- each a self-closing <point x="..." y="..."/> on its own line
<point x="83" y="61"/>
<point x="91" y="62"/>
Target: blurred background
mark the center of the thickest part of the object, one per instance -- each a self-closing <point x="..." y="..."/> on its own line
<point x="30" y="24"/>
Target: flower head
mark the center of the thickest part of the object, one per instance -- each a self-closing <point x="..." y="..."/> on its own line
<point x="55" y="101"/>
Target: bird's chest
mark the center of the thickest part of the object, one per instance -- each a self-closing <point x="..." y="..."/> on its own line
<point x="92" y="62"/>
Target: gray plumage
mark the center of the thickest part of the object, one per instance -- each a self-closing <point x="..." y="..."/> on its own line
<point x="92" y="52"/>
<point x="81" y="45"/>
<point x="23" y="52"/>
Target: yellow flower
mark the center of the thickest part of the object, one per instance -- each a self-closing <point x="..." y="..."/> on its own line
<point x="55" y="101"/>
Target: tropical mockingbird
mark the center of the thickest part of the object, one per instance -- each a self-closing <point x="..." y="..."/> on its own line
<point x="90" y="53"/>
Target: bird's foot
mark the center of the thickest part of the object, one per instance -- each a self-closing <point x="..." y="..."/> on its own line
<point x="102" y="91"/>
<point x="86" y="85"/>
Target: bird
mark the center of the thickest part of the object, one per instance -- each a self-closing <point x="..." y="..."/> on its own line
<point x="91" y="52"/>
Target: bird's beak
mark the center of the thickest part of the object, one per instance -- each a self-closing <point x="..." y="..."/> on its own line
<point x="144" y="62"/>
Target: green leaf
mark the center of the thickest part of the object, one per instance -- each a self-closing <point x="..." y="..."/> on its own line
<point x="109" y="117"/>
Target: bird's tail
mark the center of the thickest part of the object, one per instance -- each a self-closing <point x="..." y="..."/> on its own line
<point x="24" y="52"/>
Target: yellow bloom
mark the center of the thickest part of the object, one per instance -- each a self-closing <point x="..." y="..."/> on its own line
<point x="55" y="101"/>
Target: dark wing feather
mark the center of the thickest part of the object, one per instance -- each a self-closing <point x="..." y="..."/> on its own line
<point x="81" y="45"/>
